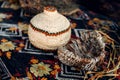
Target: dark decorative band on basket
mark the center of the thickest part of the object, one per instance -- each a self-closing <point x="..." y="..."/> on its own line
<point x="47" y="33"/>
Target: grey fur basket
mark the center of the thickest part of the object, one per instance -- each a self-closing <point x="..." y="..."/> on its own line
<point x="84" y="52"/>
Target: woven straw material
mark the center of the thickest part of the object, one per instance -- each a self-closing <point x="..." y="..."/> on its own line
<point x="40" y="40"/>
<point x="49" y="30"/>
<point x="50" y="21"/>
<point x="83" y="53"/>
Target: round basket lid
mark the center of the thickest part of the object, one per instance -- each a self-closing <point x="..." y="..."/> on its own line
<point x="50" y="20"/>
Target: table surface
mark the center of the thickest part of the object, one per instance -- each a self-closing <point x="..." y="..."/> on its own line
<point x="17" y="59"/>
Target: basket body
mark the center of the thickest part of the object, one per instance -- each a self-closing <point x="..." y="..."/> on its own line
<point x="49" y="30"/>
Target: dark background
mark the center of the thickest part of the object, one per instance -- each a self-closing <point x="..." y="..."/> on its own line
<point x="110" y="8"/>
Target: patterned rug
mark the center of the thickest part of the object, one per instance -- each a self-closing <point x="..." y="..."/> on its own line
<point x="19" y="60"/>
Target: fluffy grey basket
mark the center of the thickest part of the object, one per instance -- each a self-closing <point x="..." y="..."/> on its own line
<point x="84" y="52"/>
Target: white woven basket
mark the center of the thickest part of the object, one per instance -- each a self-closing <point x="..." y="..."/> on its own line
<point x="49" y="30"/>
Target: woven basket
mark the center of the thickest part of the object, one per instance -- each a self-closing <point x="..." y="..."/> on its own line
<point x="84" y="52"/>
<point x="49" y="29"/>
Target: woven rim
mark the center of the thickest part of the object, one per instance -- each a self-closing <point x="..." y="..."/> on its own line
<point x="50" y="8"/>
<point x="78" y="62"/>
<point x="47" y="33"/>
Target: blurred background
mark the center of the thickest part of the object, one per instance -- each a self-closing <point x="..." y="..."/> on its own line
<point x="109" y="8"/>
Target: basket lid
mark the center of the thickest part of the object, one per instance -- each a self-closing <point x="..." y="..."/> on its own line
<point x="50" y="20"/>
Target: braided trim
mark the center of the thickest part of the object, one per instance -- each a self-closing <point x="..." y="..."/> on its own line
<point x="48" y="33"/>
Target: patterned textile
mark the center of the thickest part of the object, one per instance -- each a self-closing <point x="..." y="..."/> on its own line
<point x="19" y="60"/>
